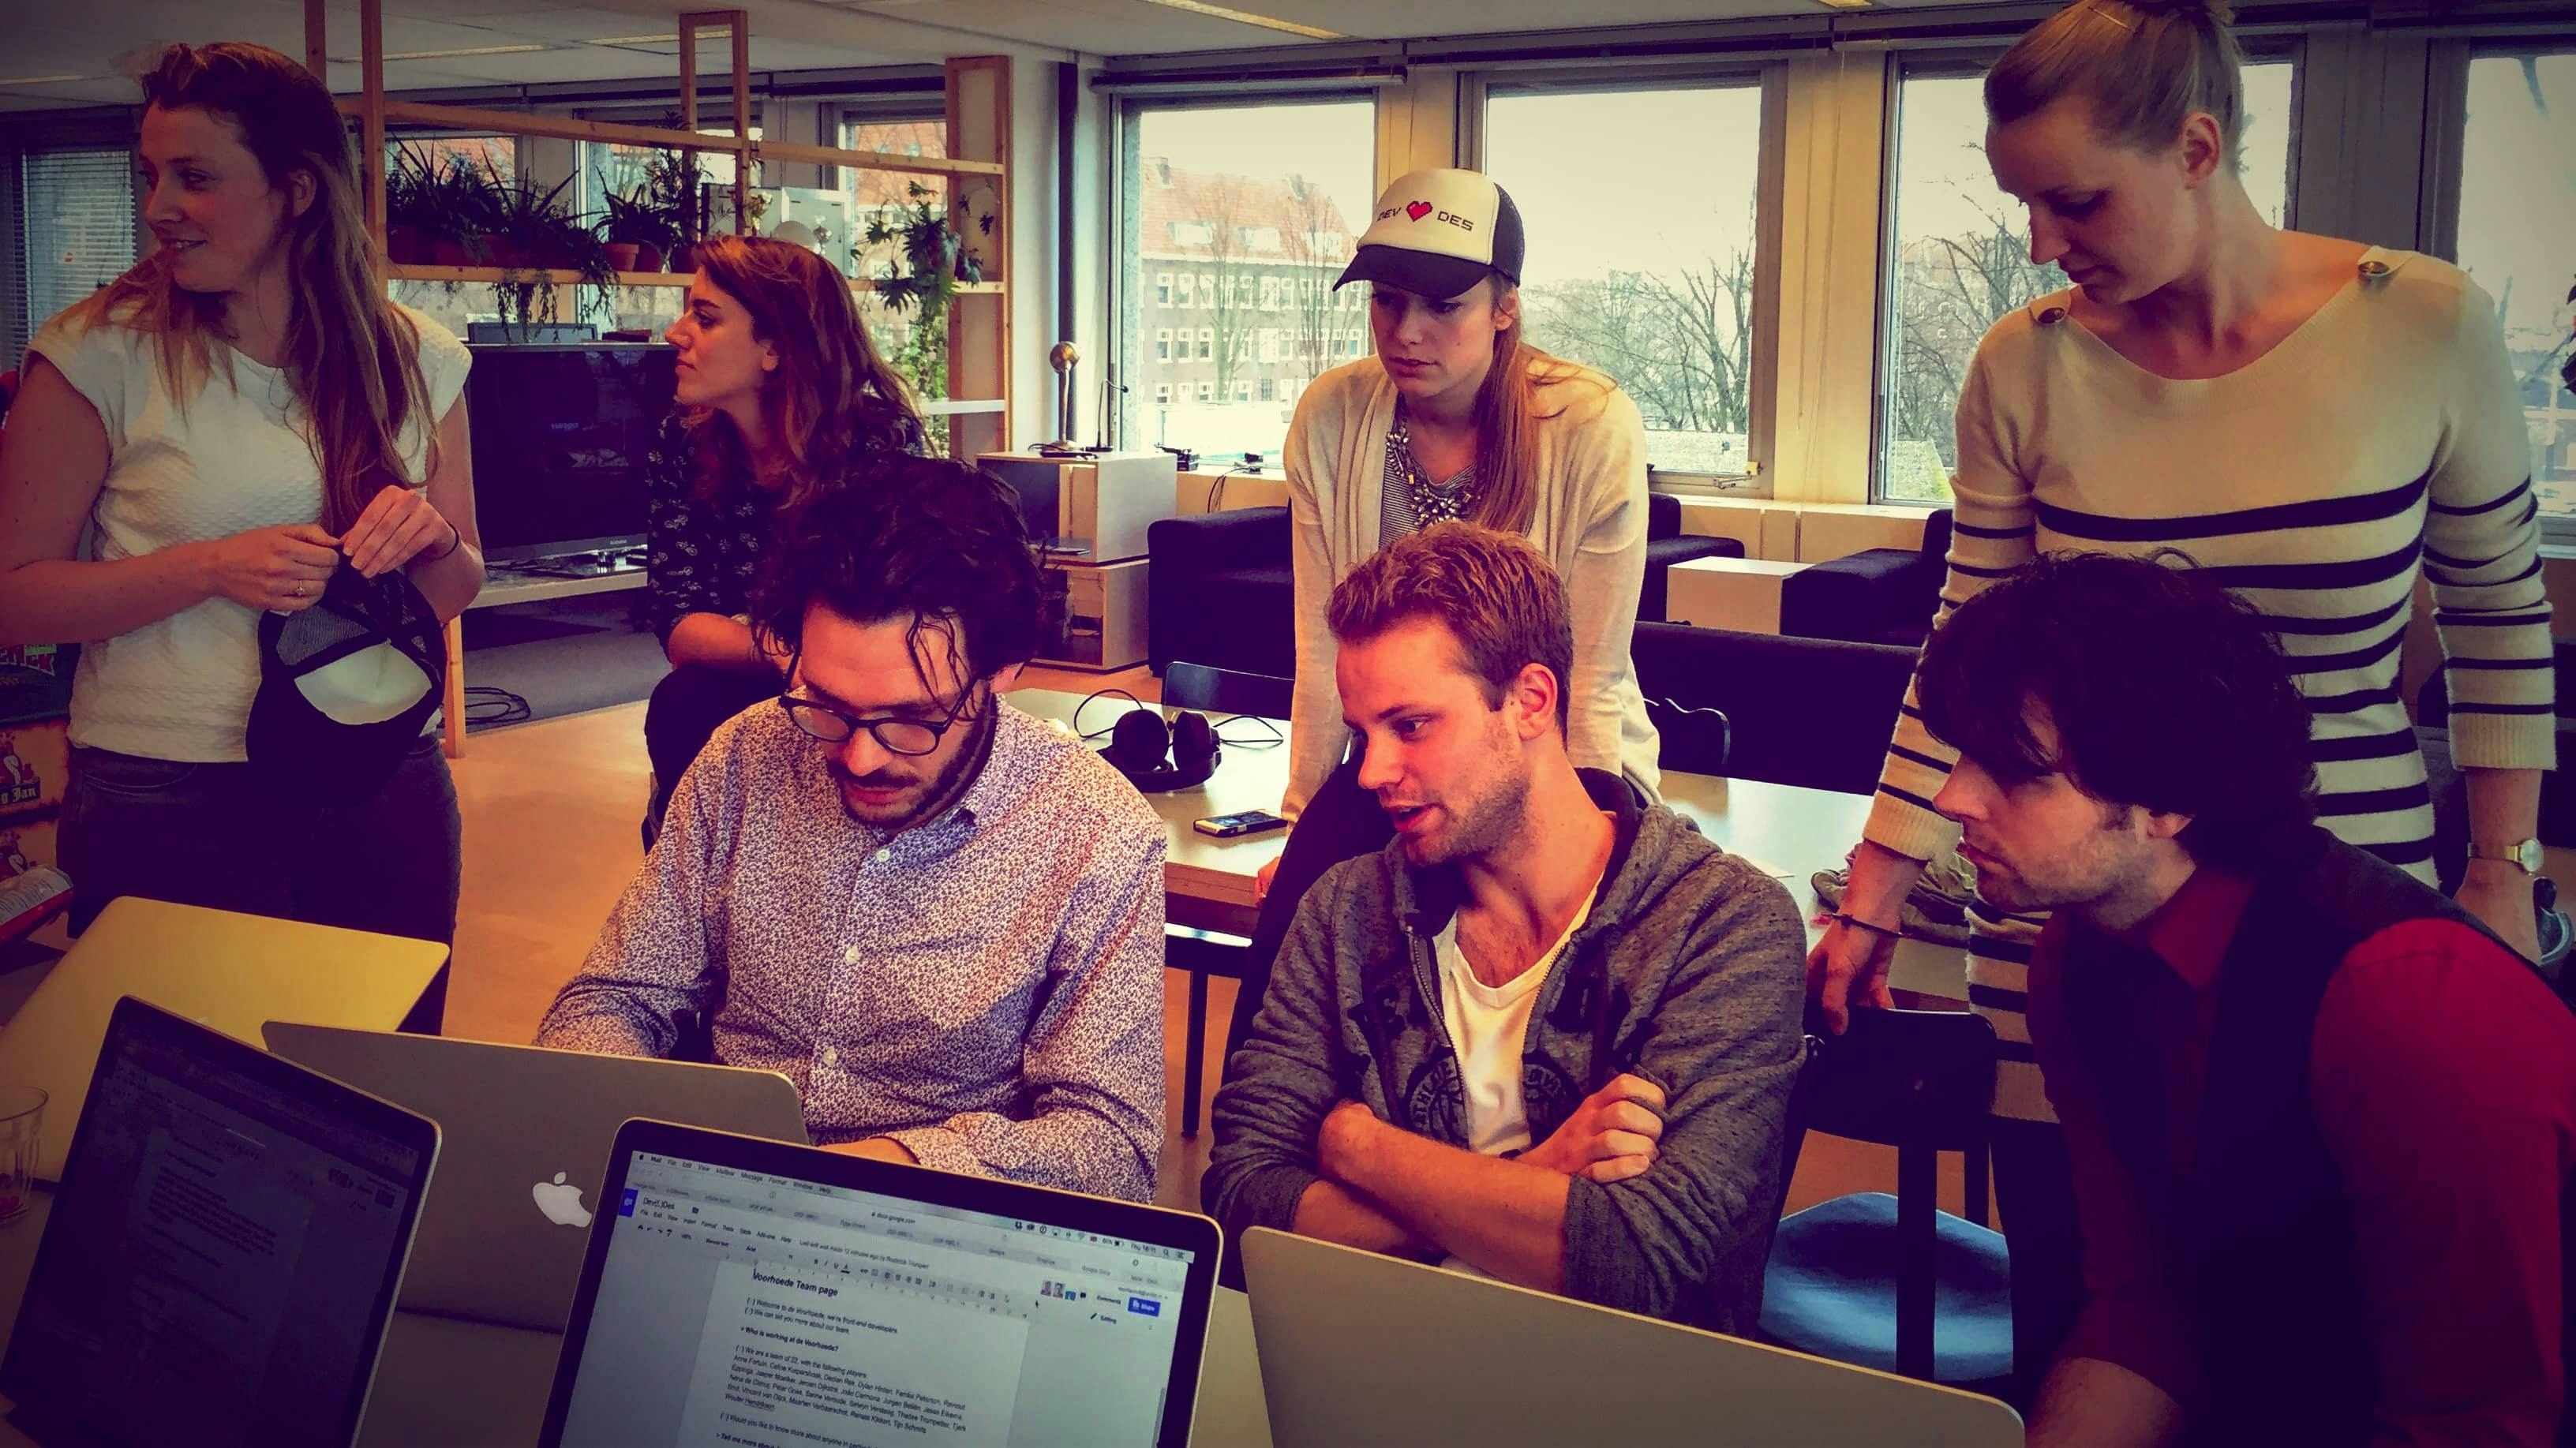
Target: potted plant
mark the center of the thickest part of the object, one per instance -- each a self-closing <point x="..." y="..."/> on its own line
<point x="446" y="205"/>
<point x="671" y="186"/>
<point x="405" y="243"/>
<point x="924" y="283"/>
<point x="636" y="230"/>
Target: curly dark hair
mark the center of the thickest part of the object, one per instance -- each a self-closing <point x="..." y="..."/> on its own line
<point x="2165" y="690"/>
<point x="926" y="539"/>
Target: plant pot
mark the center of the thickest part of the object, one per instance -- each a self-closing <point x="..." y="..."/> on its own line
<point x="504" y="252"/>
<point x="403" y="246"/>
<point x="626" y="256"/>
<point x="682" y="259"/>
<point x="648" y="257"/>
<point x="448" y="251"/>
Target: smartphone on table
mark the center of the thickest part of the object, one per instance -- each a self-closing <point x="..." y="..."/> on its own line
<point x="1249" y="822"/>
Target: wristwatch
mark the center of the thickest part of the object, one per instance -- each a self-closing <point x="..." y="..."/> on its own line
<point x="2526" y="854"/>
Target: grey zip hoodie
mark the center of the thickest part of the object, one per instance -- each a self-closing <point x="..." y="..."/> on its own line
<point x="1690" y="972"/>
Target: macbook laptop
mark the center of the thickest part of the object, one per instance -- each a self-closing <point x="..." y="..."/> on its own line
<point x="227" y="970"/>
<point x="1357" y="1348"/>
<point x="527" y="1129"/>
<point x="739" y="1291"/>
<point x="224" y="1251"/>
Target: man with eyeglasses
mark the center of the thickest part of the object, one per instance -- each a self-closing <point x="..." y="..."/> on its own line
<point x="941" y="918"/>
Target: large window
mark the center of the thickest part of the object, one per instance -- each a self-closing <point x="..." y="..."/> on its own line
<point x="1235" y="203"/>
<point x="2518" y="240"/>
<point x="78" y="232"/>
<point x="1640" y="266"/>
<point x="1960" y="258"/>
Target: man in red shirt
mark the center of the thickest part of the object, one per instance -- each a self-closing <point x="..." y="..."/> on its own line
<point x="2322" y="1123"/>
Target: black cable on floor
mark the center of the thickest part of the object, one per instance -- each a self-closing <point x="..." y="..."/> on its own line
<point x="485" y="705"/>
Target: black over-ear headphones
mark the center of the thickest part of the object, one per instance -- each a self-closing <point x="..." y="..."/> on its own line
<point x="1157" y="757"/>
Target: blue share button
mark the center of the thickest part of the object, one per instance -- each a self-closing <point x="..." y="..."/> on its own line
<point x="1145" y="1306"/>
<point x="626" y="1204"/>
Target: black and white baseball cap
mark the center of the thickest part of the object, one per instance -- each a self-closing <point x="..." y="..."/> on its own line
<point x="345" y="687"/>
<point x="1438" y="233"/>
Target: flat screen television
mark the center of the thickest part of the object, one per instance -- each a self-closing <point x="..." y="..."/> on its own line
<point x="561" y="435"/>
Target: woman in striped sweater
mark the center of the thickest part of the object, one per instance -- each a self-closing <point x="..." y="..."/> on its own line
<point x="2314" y="420"/>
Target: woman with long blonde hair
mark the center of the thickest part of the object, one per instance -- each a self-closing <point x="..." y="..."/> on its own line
<point x="781" y="395"/>
<point x="1455" y="416"/>
<point x="2317" y="422"/>
<point x="237" y="418"/>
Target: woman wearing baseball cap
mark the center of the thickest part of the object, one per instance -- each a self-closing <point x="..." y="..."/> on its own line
<point x="1456" y="416"/>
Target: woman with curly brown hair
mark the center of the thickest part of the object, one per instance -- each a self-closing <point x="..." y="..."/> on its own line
<point x="781" y="395"/>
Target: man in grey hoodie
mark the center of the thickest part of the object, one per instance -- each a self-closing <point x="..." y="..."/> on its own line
<point x="1547" y="1034"/>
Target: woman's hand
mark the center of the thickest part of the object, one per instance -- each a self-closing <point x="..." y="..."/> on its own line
<point x="1261" y="879"/>
<point x="280" y="570"/>
<point x="1848" y="968"/>
<point x="398" y="525"/>
<point x="2499" y="894"/>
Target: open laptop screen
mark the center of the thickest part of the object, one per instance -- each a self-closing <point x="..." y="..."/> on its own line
<point x="222" y="1258"/>
<point x="739" y="1305"/>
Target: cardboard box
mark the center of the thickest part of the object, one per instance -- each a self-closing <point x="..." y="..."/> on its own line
<point x="35" y="762"/>
<point x="36" y="681"/>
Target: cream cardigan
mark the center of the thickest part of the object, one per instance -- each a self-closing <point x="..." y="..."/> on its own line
<point x="1590" y="522"/>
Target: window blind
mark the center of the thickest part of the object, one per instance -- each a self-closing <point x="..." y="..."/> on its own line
<point x="75" y="232"/>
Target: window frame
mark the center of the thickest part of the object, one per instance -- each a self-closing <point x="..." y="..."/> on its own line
<point x="2446" y="121"/>
<point x="1769" y="78"/>
<point x="1126" y="292"/>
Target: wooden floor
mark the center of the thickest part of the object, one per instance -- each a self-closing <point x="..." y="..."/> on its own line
<point x="551" y="812"/>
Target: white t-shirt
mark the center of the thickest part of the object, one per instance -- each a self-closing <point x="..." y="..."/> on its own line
<point x="1489" y="1024"/>
<point x="236" y="457"/>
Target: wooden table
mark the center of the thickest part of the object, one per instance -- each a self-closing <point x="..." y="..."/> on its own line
<point x="1788" y="831"/>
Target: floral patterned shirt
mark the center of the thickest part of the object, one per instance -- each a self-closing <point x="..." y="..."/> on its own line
<point x="704" y="552"/>
<point x="985" y="988"/>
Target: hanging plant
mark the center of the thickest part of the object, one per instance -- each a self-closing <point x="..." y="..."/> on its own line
<point x="532" y="232"/>
<point x="924" y="283"/>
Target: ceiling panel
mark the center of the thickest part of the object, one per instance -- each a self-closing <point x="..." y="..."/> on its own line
<point x="786" y="34"/>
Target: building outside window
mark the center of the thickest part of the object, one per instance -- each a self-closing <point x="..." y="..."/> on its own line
<point x="1248" y="206"/>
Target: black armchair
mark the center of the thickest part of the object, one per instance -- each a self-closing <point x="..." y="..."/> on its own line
<point x="1812" y="712"/>
<point x="1222" y="592"/>
<point x="1875" y="596"/>
<point x="1666" y="545"/>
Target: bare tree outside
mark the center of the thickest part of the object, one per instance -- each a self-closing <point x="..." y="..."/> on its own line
<point x="1320" y="248"/>
<point x="1638" y="267"/>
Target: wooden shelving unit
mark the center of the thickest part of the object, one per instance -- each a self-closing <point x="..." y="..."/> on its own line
<point x="545" y="277"/>
<point x="979" y="143"/>
<point x="979" y="130"/>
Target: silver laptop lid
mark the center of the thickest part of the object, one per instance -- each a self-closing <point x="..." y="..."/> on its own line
<point x="527" y="1132"/>
<point x="1357" y="1348"/>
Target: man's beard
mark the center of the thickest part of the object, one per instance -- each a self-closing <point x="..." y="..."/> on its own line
<point x="1490" y="823"/>
<point x="945" y="788"/>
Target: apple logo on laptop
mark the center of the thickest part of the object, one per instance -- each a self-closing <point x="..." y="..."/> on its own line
<point x="561" y="1203"/>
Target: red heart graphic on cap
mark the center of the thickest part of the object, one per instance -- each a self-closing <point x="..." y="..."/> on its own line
<point x="1418" y="210"/>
